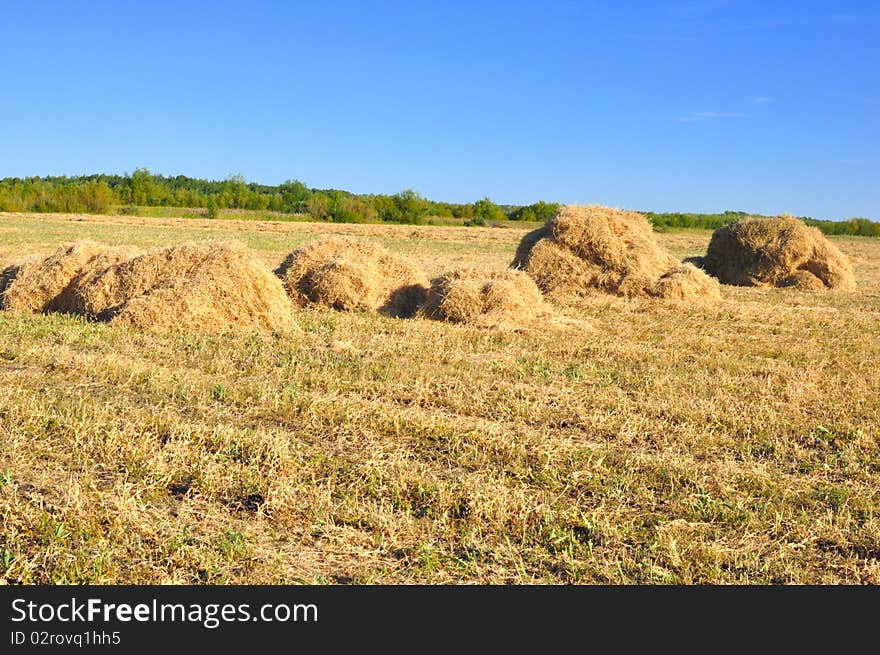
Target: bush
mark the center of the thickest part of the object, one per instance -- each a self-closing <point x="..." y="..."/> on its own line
<point x="539" y="212"/>
<point x="404" y="207"/>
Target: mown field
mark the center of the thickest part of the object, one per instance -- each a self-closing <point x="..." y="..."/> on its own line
<point x="632" y="441"/>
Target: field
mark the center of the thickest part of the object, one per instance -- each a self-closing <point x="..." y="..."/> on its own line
<point x="636" y="441"/>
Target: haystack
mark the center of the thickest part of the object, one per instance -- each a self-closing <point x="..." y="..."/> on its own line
<point x="350" y="274"/>
<point x="479" y="298"/>
<point x="206" y="286"/>
<point x="686" y="283"/>
<point x="584" y="249"/>
<point x="780" y="252"/>
<point x="44" y="284"/>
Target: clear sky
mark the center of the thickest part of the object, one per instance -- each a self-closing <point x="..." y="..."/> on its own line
<point x="697" y="105"/>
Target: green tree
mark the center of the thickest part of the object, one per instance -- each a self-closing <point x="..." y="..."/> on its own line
<point x="236" y="192"/>
<point x="485" y="211"/>
<point x="412" y="207"/>
<point x="318" y="207"/>
<point x="142" y="187"/>
<point x="96" y="197"/>
<point x="537" y="212"/>
<point x="294" y="196"/>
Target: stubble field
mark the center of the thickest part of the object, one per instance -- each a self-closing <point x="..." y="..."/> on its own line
<point x="626" y="441"/>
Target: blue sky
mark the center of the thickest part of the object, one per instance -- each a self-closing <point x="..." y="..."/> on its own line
<point x="706" y="105"/>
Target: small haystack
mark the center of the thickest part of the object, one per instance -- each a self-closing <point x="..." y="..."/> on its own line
<point x="583" y="249"/>
<point x="483" y="299"/>
<point x="44" y="285"/>
<point x="205" y="286"/>
<point x="780" y="252"/>
<point x="350" y="275"/>
<point x="686" y="283"/>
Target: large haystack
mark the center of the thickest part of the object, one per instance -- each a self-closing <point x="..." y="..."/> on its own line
<point x="779" y="252"/>
<point x="44" y="284"/>
<point x="485" y="299"/>
<point x="99" y="294"/>
<point x="351" y="274"/>
<point x="584" y="249"/>
<point x="204" y="286"/>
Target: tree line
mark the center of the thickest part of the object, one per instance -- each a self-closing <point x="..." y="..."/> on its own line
<point x="102" y="193"/>
<point x="852" y="226"/>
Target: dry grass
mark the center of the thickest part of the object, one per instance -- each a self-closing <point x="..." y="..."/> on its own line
<point x="780" y="252"/>
<point x="506" y="298"/>
<point x="353" y="274"/>
<point x="585" y="249"/>
<point x="733" y="442"/>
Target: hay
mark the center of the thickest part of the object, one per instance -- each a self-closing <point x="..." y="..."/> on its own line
<point x="99" y="294"/>
<point x="484" y="299"/>
<point x="205" y="286"/>
<point x="686" y="283"/>
<point x="558" y="271"/>
<point x="803" y="281"/>
<point x="44" y="285"/>
<point x="351" y="275"/>
<point x="585" y="249"/>
<point x="6" y="277"/>
<point x="521" y="258"/>
<point x="780" y="252"/>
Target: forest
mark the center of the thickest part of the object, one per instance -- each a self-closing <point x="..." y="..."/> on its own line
<point x="127" y="193"/>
